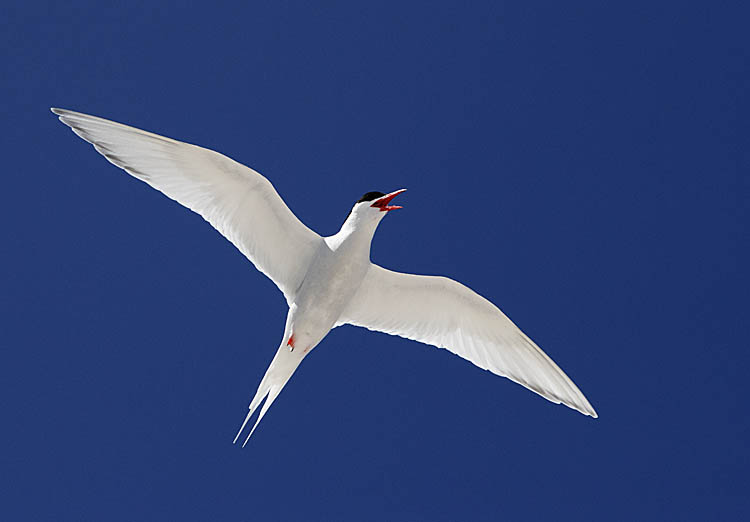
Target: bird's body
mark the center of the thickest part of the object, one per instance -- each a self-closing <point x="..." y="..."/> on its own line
<point x="333" y="277"/>
<point x="326" y="281"/>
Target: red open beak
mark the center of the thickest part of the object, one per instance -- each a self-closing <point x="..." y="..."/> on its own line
<point x="382" y="202"/>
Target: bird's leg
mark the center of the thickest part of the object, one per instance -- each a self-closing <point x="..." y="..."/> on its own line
<point x="290" y="343"/>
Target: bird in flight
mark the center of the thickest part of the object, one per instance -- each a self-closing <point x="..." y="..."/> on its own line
<point x="327" y="281"/>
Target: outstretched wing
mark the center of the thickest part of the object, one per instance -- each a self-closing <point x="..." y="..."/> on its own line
<point x="445" y="313"/>
<point x="236" y="200"/>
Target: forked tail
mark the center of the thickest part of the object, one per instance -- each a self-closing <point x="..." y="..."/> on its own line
<point x="282" y="367"/>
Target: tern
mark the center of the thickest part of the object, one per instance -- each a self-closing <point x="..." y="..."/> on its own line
<point x="327" y="281"/>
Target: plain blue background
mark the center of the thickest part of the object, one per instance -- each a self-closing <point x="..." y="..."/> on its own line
<point x="582" y="165"/>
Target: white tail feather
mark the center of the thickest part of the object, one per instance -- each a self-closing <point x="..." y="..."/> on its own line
<point x="272" y="394"/>
<point x="278" y="374"/>
<point x="249" y="414"/>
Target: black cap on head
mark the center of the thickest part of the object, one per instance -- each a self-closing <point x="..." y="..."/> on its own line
<point x="370" y="196"/>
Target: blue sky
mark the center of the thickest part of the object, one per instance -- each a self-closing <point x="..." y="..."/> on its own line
<point x="582" y="165"/>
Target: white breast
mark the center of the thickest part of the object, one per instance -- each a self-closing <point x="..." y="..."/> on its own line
<point x="334" y="276"/>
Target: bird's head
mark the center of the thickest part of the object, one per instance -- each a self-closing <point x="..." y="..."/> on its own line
<point x="369" y="210"/>
<point x="375" y="205"/>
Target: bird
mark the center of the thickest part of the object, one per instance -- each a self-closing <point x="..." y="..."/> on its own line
<point x="326" y="281"/>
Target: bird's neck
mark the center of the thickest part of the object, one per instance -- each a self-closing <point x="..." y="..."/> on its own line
<point x="355" y="234"/>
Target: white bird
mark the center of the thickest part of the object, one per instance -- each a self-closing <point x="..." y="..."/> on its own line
<point x="327" y="281"/>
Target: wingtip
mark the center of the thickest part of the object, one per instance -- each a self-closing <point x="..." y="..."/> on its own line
<point x="65" y="112"/>
<point x="590" y="412"/>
